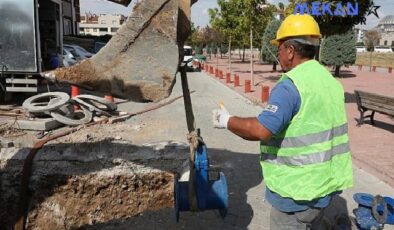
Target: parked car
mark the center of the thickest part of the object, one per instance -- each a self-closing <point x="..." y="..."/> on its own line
<point x="188" y="56"/>
<point x="68" y="58"/>
<point x="78" y="52"/>
<point x="199" y="58"/>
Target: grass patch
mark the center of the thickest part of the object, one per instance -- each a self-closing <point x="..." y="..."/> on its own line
<point x="378" y="59"/>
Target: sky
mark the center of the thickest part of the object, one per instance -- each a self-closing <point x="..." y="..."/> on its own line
<point x="200" y="15"/>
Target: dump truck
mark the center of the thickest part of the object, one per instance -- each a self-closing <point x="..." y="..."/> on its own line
<point x="30" y="43"/>
<point x="140" y="62"/>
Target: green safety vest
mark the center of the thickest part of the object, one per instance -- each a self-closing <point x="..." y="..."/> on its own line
<point x="311" y="157"/>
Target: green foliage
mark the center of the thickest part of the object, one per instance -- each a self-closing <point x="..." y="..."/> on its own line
<point x="371" y="39"/>
<point x="360" y="44"/>
<point x="223" y="48"/>
<point x="209" y="49"/>
<point x="330" y="25"/>
<point x="214" y="48"/>
<point x="269" y="34"/>
<point x="198" y="49"/>
<point x="339" y="49"/>
<point x="281" y="6"/>
<point x="236" y="18"/>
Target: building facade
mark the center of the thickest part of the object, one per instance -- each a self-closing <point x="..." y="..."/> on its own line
<point x="386" y="29"/>
<point x="359" y="34"/>
<point x="103" y="24"/>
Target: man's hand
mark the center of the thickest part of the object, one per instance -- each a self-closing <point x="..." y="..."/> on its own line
<point x="220" y="117"/>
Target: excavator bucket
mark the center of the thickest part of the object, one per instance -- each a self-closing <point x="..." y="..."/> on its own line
<point x="140" y="62"/>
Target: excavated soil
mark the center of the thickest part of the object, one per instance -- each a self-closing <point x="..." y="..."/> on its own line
<point x="93" y="176"/>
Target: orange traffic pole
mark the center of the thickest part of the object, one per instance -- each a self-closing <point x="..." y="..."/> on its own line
<point x="236" y="80"/>
<point x="247" y="86"/>
<point x="109" y="98"/>
<point x="228" y="78"/>
<point x="265" y="93"/>
<point x="75" y="91"/>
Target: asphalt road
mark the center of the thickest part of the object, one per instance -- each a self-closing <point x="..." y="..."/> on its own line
<point x="238" y="159"/>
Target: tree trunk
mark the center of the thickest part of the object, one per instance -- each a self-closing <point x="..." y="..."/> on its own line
<point x="337" y="70"/>
<point x="251" y="57"/>
<point x="243" y="54"/>
<point x="274" y="66"/>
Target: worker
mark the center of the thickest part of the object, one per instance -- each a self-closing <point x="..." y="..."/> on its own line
<point x="305" y="155"/>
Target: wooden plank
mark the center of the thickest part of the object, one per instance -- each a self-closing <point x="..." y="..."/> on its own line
<point x="378" y="100"/>
<point x="21" y="81"/>
<point x="380" y="110"/>
<point x="373" y="95"/>
<point x="367" y="103"/>
<point x="375" y="102"/>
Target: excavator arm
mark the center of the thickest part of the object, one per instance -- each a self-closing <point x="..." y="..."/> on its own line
<point x="140" y="62"/>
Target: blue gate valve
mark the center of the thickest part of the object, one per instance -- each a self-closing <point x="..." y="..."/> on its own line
<point x="210" y="194"/>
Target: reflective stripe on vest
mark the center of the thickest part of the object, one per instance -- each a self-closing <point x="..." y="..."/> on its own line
<point x="310" y="139"/>
<point x="311" y="158"/>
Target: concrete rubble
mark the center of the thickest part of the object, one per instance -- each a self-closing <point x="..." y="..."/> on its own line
<point x="79" y="184"/>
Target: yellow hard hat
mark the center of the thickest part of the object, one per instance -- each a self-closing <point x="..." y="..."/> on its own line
<point x="296" y="25"/>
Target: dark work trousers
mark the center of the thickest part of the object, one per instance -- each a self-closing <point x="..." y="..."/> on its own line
<point x="304" y="220"/>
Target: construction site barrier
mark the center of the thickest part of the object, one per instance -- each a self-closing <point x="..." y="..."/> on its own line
<point x="236" y="80"/>
<point x="228" y="78"/>
<point x="265" y="93"/>
<point x="248" y="86"/>
<point x="75" y="91"/>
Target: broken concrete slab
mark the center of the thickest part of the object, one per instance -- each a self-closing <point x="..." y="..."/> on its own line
<point x="42" y="124"/>
<point x="4" y="143"/>
<point x="74" y="185"/>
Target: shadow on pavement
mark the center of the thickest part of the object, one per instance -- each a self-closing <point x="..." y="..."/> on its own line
<point x="378" y="124"/>
<point x="350" y="98"/>
<point x="242" y="171"/>
<point x="345" y="74"/>
<point x="337" y="214"/>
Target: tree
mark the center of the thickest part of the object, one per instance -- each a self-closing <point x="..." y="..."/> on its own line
<point x="223" y="49"/>
<point x="226" y="20"/>
<point x="269" y="52"/>
<point x="214" y="48"/>
<point x="371" y="39"/>
<point x="281" y="6"/>
<point x="239" y="21"/>
<point x="338" y="50"/>
<point x="198" y="49"/>
<point x="330" y="24"/>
